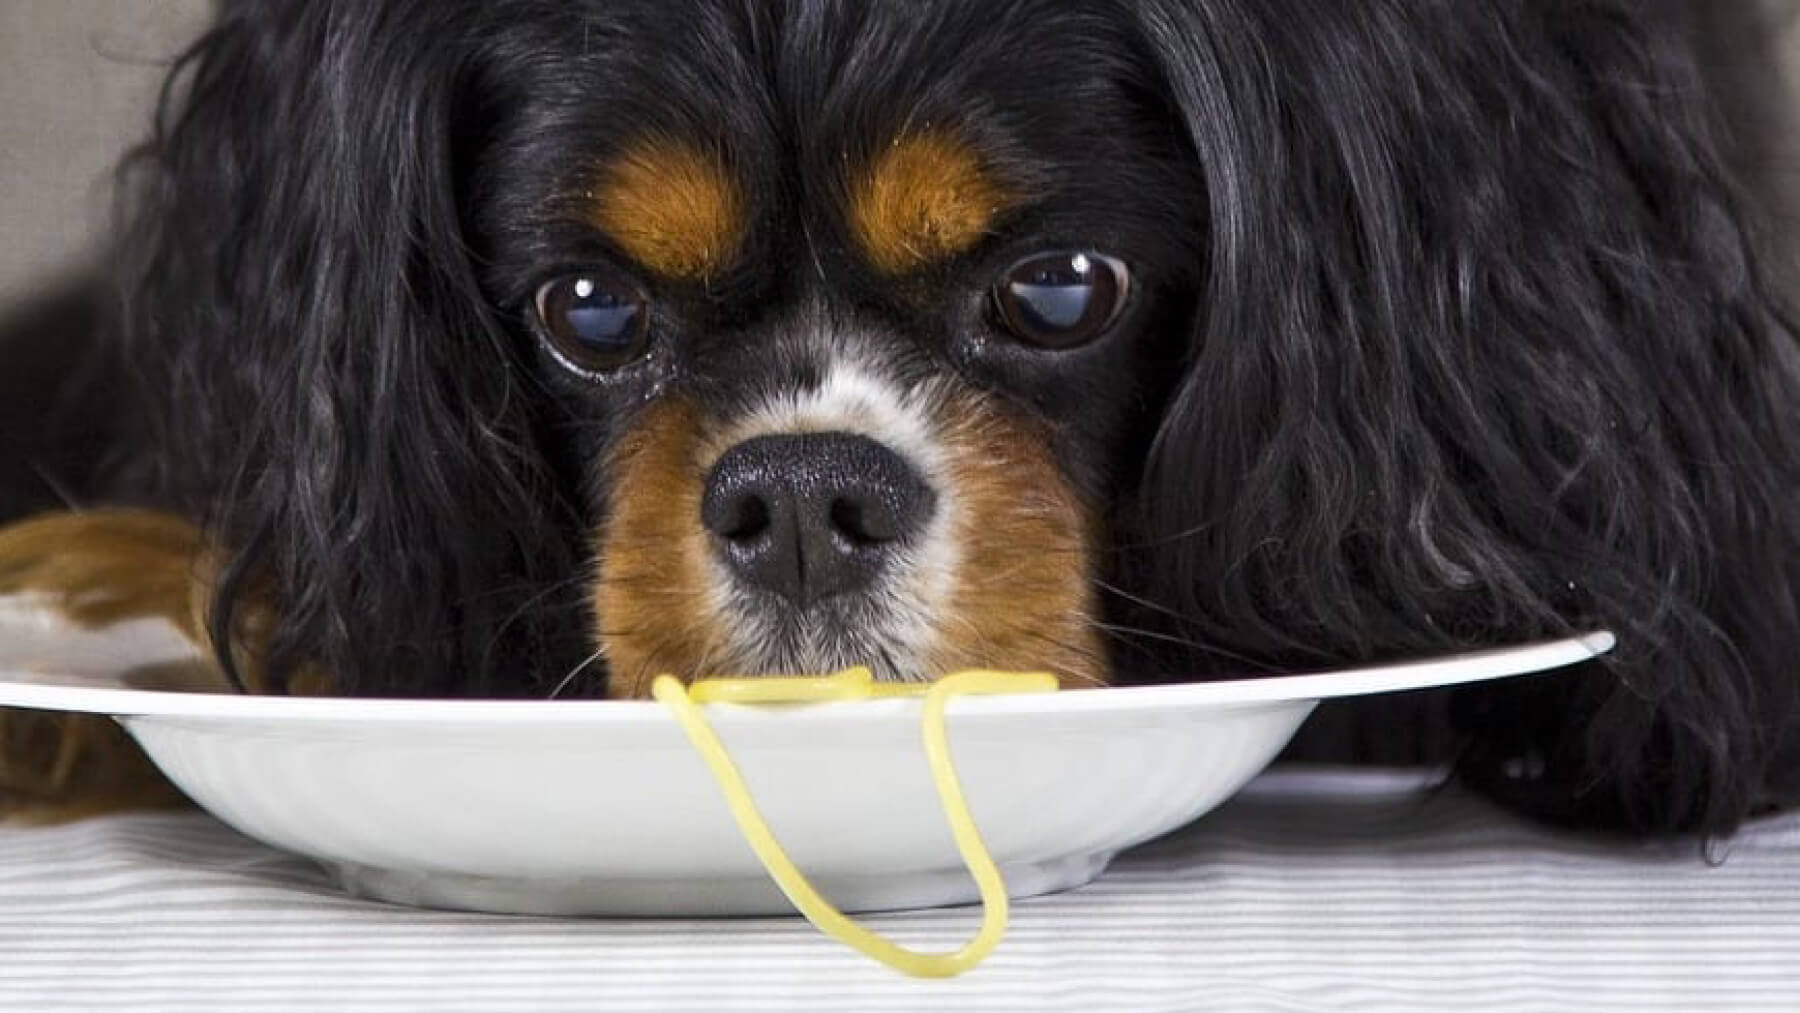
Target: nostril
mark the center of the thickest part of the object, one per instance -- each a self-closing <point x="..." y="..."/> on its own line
<point x="739" y="503"/>
<point x="745" y="517"/>
<point x="861" y="522"/>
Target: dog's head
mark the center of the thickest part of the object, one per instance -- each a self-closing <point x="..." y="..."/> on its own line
<point x="1123" y="338"/>
<point x="853" y="318"/>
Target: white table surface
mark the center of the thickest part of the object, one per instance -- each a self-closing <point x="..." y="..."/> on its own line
<point x="1313" y="890"/>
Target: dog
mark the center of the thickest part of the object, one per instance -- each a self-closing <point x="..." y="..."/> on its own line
<point x="534" y="348"/>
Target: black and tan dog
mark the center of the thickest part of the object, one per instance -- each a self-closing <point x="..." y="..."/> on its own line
<point x="530" y="348"/>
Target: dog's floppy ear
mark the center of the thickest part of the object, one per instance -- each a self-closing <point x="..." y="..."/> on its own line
<point x="325" y="381"/>
<point x="1485" y="356"/>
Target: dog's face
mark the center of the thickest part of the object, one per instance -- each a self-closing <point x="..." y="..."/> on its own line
<point x="855" y="316"/>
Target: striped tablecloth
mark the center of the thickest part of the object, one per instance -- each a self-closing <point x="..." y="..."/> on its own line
<point x="1313" y="890"/>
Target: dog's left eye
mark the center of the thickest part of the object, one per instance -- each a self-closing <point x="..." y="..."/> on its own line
<point x="1061" y="300"/>
<point x="594" y="320"/>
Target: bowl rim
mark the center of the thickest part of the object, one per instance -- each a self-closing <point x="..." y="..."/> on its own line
<point x="38" y="690"/>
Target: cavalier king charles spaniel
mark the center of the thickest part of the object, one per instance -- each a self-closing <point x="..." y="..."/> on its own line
<point x="537" y="347"/>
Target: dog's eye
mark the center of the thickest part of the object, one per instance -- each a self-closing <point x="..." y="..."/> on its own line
<point x="1061" y="300"/>
<point x="595" y="320"/>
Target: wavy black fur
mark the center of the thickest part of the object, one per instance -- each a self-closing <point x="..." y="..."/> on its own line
<point x="1487" y="356"/>
<point x="322" y="376"/>
<point x="1483" y="353"/>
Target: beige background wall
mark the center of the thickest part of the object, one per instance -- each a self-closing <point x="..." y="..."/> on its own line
<point x="1752" y="48"/>
<point x="77" y="79"/>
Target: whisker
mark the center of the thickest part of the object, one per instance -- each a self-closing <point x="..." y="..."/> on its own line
<point x="1063" y="647"/>
<point x="1138" y="633"/>
<point x="1169" y="539"/>
<point x="1135" y="599"/>
<point x="567" y="680"/>
<point x="529" y="603"/>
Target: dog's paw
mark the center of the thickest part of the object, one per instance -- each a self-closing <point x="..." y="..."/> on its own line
<point x="100" y="567"/>
<point x="60" y="767"/>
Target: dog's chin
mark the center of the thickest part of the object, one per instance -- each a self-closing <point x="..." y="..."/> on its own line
<point x="824" y="640"/>
<point x="770" y="637"/>
<point x="758" y="637"/>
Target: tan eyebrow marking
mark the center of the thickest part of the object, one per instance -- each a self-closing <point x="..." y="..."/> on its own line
<point x="672" y="207"/>
<point x="922" y="199"/>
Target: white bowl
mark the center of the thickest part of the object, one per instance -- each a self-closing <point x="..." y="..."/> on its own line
<point x="602" y="808"/>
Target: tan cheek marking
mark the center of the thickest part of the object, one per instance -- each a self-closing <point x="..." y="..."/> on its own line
<point x="653" y="612"/>
<point x="673" y="208"/>
<point x="924" y="198"/>
<point x="1023" y="595"/>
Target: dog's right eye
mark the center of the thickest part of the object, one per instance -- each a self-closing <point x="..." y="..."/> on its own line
<point x="593" y="321"/>
<point x="1061" y="300"/>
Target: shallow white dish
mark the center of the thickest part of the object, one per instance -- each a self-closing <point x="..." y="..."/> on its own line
<point x="602" y="808"/>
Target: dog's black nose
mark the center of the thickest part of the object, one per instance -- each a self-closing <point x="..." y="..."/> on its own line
<point x="811" y="515"/>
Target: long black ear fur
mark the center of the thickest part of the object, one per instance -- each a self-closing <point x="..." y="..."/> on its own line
<point x="1485" y="356"/>
<point x="320" y="375"/>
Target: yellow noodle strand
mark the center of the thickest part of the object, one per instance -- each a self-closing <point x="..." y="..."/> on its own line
<point x="858" y="683"/>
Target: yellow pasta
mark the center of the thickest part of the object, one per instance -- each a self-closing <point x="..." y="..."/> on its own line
<point x="853" y="684"/>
